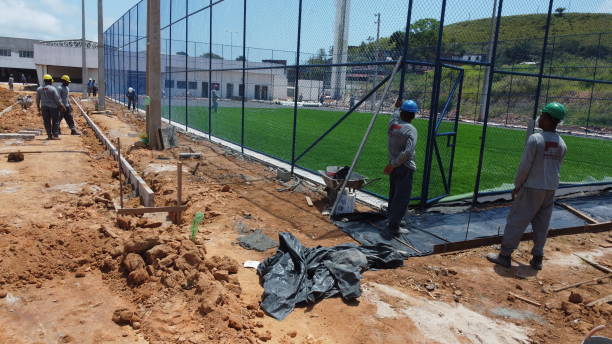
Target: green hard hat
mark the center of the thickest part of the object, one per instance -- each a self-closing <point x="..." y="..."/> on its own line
<point x="556" y="110"/>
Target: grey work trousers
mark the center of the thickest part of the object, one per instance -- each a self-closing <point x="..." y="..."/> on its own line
<point x="50" y="119"/>
<point x="533" y="206"/>
<point x="67" y="115"/>
<point x="399" y="194"/>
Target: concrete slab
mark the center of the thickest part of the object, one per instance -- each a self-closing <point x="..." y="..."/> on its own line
<point x="12" y="136"/>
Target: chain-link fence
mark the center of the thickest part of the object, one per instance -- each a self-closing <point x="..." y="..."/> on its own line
<point x="297" y="80"/>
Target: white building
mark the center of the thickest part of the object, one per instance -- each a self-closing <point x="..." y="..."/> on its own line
<point x="16" y="58"/>
<point x="65" y="57"/>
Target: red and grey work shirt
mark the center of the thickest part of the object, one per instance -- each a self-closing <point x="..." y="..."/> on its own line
<point x="541" y="161"/>
<point x="402" y="143"/>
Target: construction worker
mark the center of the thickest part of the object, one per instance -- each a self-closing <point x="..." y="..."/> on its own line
<point x="64" y="92"/>
<point x="535" y="183"/>
<point x="11" y="80"/>
<point x="48" y="102"/>
<point x="131" y="97"/>
<point x="89" y="87"/>
<point x="215" y="99"/>
<point x="401" y="167"/>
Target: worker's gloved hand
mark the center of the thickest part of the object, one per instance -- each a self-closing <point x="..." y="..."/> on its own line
<point x="515" y="192"/>
<point x="388" y="169"/>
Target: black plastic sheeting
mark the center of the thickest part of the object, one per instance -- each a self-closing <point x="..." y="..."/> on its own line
<point x="432" y="228"/>
<point x="297" y="275"/>
<point x="598" y="207"/>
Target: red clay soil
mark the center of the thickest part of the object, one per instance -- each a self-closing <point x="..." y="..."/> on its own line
<point x="99" y="278"/>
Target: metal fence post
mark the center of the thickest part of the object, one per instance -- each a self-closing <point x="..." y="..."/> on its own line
<point x="550" y="68"/>
<point x="169" y="66"/>
<point x="405" y="50"/>
<point x="542" y="59"/>
<point x="297" y="86"/>
<point x="435" y="96"/>
<point x="487" y="104"/>
<point x="137" y="88"/>
<point x="186" y="65"/>
<point x="244" y="23"/>
<point x="509" y="94"/>
<point x="586" y="127"/>
<point x="210" y="86"/>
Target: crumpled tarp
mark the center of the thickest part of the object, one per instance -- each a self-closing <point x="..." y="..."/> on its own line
<point x="297" y="275"/>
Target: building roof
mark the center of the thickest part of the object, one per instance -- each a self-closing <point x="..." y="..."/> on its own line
<point x="71" y="43"/>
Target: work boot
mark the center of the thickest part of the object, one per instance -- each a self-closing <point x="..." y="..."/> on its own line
<point x="500" y="259"/>
<point x="394" y="230"/>
<point x="49" y="137"/>
<point x="536" y="262"/>
<point x="74" y="132"/>
<point x="55" y="137"/>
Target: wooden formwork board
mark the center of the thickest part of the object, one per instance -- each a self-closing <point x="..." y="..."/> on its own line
<point x="478" y="242"/>
<point x="147" y="196"/>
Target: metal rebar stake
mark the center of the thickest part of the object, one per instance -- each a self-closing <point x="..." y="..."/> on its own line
<point x="365" y="136"/>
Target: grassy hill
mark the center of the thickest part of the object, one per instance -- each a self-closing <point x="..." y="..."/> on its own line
<point x="528" y="26"/>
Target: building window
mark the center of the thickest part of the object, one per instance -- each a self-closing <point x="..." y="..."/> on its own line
<point x="241" y="90"/>
<point x="193" y="85"/>
<point x="230" y="90"/>
<point x="26" y="54"/>
<point x="169" y="84"/>
<point x="5" y="52"/>
<point x="181" y="85"/>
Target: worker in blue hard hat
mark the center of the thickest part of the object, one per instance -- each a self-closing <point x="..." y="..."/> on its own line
<point x="401" y="145"/>
<point x="535" y="184"/>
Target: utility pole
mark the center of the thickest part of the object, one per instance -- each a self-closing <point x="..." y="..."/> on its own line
<point x="485" y="89"/>
<point x="101" y="67"/>
<point x="153" y="75"/>
<point x="376" y="55"/>
<point x="83" y="55"/>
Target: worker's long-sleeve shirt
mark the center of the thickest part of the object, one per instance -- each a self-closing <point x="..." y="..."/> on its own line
<point x="402" y="143"/>
<point x="64" y="91"/>
<point x="541" y="161"/>
<point x="131" y="95"/>
<point x="48" y="96"/>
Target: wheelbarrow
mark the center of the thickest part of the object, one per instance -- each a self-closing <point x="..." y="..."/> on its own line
<point x="333" y="184"/>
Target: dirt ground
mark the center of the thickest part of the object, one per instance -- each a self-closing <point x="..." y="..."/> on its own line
<point x="71" y="271"/>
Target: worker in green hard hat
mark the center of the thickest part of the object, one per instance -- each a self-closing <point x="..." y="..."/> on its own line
<point x="536" y="180"/>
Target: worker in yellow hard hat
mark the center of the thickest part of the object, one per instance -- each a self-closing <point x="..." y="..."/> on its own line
<point x="48" y="102"/>
<point x="64" y="92"/>
<point x="535" y="183"/>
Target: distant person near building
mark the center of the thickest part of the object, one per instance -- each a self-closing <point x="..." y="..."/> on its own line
<point x="131" y="97"/>
<point x="23" y="79"/>
<point x="89" y="87"/>
<point x="64" y="93"/>
<point x="48" y="101"/>
<point x="11" y="80"/>
<point x="215" y="100"/>
<point x="94" y="88"/>
<point x="351" y="101"/>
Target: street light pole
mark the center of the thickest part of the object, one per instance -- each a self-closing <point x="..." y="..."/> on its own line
<point x="101" y="67"/>
<point x="83" y="56"/>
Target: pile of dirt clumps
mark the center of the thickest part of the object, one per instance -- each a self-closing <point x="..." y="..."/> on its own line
<point x="154" y="260"/>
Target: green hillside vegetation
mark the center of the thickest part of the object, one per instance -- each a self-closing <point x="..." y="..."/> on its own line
<point x="577" y="42"/>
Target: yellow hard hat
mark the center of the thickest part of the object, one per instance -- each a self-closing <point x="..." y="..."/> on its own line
<point x="66" y="78"/>
<point x="48" y="77"/>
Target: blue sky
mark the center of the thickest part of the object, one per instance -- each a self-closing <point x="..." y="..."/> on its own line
<point x="271" y="23"/>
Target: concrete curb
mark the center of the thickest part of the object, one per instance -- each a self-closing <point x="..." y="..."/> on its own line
<point x="147" y="196"/>
<point x="9" y="108"/>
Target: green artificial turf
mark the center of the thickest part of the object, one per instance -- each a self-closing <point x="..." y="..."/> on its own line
<point x="269" y="131"/>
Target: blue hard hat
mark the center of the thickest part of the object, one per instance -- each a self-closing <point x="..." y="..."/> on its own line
<point x="410" y="106"/>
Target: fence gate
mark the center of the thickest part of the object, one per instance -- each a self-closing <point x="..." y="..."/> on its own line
<point x="442" y="136"/>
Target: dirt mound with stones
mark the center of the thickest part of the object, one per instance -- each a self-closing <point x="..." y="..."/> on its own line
<point x="159" y="261"/>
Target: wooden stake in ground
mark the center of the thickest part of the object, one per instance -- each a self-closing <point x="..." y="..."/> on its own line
<point x="309" y="201"/>
<point x="583" y="282"/>
<point x="531" y="302"/>
<point x="179" y="191"/>
<point x="595" y="264"/>
<point x="120" y="179"/>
